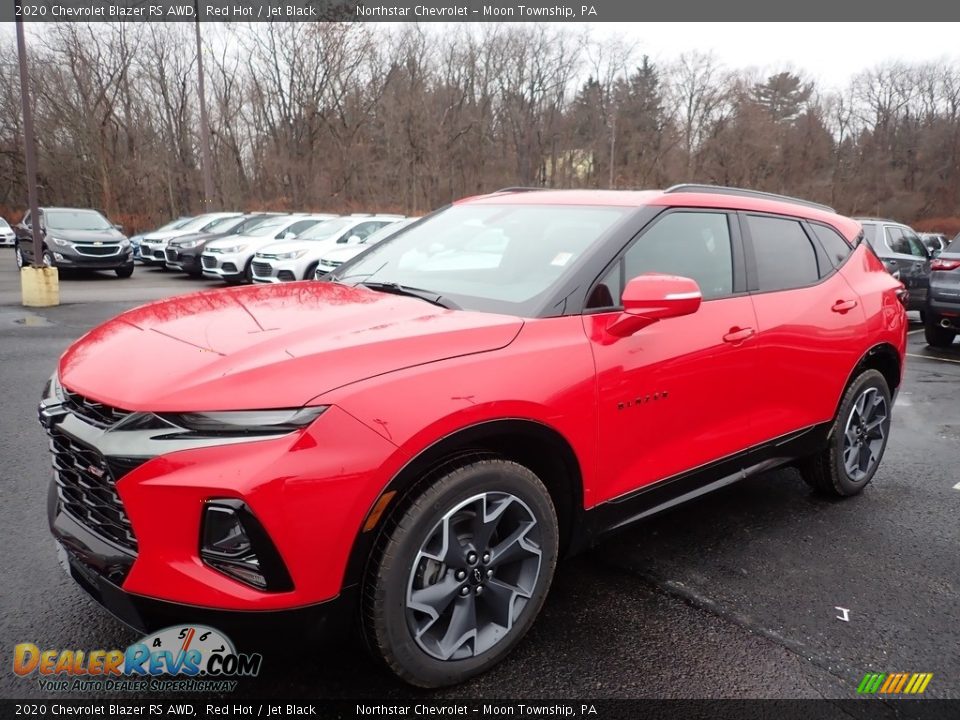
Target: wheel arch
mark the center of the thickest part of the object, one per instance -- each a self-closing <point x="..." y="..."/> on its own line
<point x="882" y="357"/>
<point x="542" y="449"/>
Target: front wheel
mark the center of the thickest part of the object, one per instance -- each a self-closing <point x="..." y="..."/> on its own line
<point x="459" y="577"/>
<point x="20" y="260"/>
<point x="856" y="442"/>
<point x="124" y="271"/>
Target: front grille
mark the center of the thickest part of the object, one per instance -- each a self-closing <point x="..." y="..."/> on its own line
<point x="229" y="267"/>
<point x="97" y="250"/>
<point x="262" y="269"/>
<point x="208" y="262"/>
<point x="87" y="490"/>
<point x="158" y="254"/>
<point x="286" y="276"/>
<point x="171" y="255"/>
<point x="91" y="411"/>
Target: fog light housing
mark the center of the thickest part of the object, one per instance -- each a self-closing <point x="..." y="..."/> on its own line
<point x="233" y="542"/>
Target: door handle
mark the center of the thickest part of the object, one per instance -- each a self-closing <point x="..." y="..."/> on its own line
<point x="842" y="306"/>
<point x="738" y="335"/>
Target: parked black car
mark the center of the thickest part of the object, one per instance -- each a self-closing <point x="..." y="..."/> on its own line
<point x="943" y="305"/>
<point x="76" y="238"/>
<point x="904" y="256"/>
<point x="184" y="253"/>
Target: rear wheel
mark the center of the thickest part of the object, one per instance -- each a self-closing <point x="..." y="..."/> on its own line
<point x="937" y="336"/>
<point x="459" y="577"/>
<point x="856" y="442"/>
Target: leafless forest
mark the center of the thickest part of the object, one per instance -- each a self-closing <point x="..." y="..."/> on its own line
<point x="348" y="117"/>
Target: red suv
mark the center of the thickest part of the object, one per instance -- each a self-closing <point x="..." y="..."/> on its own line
<point x="415" y="442"/>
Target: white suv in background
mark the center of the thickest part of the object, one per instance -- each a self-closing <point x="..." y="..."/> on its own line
<point x="339" y="255"/>
<point x="230" y="258"/>
<point x="298" y="259"/>
<point x="153" y="245"/>
<point x="7" y="235"/>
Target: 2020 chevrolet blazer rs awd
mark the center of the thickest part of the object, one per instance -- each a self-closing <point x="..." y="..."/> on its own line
<point x="412" y="443"/>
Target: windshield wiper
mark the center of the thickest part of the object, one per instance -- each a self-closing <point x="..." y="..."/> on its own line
<point x="398" y="289"/>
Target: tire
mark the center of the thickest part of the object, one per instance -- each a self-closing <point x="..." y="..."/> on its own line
<point x="923" y="316"/>
<point x="512" y="591"/>
<point x="21" y="263"/>
<point x="124" y="271"/>
<point x="47" y="259"/>
<point x="859" y="434"/>
<point x="937" y="336"/>
<point x="308" y="275"/>
<point x="248" y="273"/>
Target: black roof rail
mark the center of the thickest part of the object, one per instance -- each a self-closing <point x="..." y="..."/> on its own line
<point x="722" y="190"/>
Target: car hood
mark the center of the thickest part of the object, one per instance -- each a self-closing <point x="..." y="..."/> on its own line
<point x="267" y="346"/>
<point x="87" y="236"/>
<point x="345" y="252"/>
<point x="312" y="247"/>
<point x="248" y="240"/>
<point x="202" y="236"/>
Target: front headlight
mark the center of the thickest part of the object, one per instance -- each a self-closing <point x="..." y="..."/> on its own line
<point x="188" y="244"/>
<point x="124" y="243"/>
<point x="292" y="255"/>
<point x="246" y="422"/>
<point x="232" y="249"/>
<point x="57" y="241"/>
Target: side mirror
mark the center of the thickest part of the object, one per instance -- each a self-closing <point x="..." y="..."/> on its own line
<point x="353" y="239"/>
<point x="118" y="226"/>
<point x="289" y="235"/>
<point x="649" y="298"/>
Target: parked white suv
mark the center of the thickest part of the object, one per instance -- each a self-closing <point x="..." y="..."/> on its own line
<point x="153" y="245"/>
<point x="339" y="255"/>
<point x="7" y="235"/>
<point x="298" y="259"/>
<point x="230" y="258"/>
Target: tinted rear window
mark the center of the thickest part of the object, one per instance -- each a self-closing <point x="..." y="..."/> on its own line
<point x="784" y="254"/>
<point x="836" y="247"/>
<point x="954" y="246"/>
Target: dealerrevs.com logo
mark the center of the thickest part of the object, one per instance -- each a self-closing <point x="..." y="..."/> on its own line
<point x="191" y="658"/>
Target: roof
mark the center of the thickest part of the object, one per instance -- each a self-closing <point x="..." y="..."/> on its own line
<point x="714" y="198"/>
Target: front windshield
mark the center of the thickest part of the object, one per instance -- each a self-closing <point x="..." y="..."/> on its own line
<point x="220" y="224"/>
<point x="325" y="230"/>
<point x="272" y="226"/>
<point x="175" y="225"/>
<point x="75" y="220"/>
<point x="249" y="224"/>
<point x="500" y="258"/>
<point x="386" y="231"/>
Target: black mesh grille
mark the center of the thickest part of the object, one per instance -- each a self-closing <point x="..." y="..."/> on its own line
<point x="87" y="490"/>
<point x="91" y="411"/>
<point x="286" y="275"/>
<point x="208" y="262"/>
<point x="171" y="255"/>
<point x="262" y="269"/>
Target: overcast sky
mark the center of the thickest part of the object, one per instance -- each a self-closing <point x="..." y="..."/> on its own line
<point x="830" y="53"/>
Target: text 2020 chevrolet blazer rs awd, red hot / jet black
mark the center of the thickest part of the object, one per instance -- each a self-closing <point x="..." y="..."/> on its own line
<point x="415" y="442"/>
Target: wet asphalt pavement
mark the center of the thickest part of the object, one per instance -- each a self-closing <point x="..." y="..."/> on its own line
<point x="734" y="595"/>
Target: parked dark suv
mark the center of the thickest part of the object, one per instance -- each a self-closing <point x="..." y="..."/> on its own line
<point x="76" y="238"/>
<point x="943" y="306"/>
<point x="904" y="256"/>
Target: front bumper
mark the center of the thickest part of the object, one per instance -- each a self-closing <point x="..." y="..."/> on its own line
<point x="152" y="253"/>
<point x="73" y="259"/>
<point x="310" y="490"/>
<point x="226" y="266"/>
<point x="184" y="260"/>
<point x="940" y="305"/>
<point x="8" y="240"/>
<point x="276" y="271"/>
<point x="98" y="567"/>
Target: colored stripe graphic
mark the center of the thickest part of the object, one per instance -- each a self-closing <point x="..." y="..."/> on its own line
<point x="894" y="683"/>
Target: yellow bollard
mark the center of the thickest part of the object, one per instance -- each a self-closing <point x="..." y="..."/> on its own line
<point x="39" y="287"/>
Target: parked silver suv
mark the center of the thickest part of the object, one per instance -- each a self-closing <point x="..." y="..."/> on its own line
<point x="904" y="255"/>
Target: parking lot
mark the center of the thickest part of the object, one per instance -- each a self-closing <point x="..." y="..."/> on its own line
<point x="739" y="594"/>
